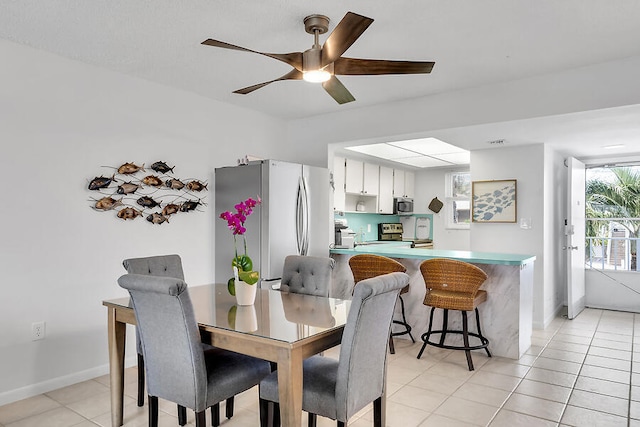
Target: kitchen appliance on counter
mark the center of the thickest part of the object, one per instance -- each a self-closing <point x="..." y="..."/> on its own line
<point x="344" y="236"/>
<point x="402" y="206"/>
<point x="293" y="218"/>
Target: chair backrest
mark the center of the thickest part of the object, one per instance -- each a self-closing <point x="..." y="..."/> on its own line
<point x="309" y="275"/>
<point x="174" y="359"/>
<point x="363" y="351"/>
<point x="452" y="275"/>
<point x="366" y="266"/>
<point x="161" y="265"/>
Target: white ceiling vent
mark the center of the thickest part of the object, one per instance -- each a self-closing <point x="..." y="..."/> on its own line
<point x="497" y="142"/>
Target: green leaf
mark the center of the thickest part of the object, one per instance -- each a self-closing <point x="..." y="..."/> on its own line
<point x="243" y="262"/>
<point x="249" y="277"/>
<point x="231" y="286"/>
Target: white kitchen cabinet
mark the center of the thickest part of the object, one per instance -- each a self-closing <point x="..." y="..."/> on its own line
<point x="361" y="178"/>
<point x="403" y="183"/>
<point x="385" y="193"/>
<point x="339" y="183"/>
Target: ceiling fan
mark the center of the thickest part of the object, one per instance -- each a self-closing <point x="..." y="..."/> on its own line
<point x="321" y="64"/>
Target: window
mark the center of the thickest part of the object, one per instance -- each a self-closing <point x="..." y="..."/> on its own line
<point x="457" y="195"/>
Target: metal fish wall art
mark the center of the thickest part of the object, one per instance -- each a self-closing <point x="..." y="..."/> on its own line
<point x="132" y="192"/>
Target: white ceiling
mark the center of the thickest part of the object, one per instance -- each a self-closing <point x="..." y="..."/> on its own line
<point x="474" y="43"/>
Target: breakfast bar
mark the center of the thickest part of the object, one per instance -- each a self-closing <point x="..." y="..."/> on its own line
<point x="506" y="316"/>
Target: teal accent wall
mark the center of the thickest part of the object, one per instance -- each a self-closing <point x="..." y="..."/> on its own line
<point x="360" y="221"/>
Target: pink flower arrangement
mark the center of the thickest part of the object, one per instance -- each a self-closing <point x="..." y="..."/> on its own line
<point x="235" y="222"/>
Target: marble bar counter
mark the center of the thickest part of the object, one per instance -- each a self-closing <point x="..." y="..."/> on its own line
<point x="506" y="317"/>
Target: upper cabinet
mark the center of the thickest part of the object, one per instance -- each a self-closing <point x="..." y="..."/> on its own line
<point x="403" y="183"/>
<point x="385" y="195"/>
<point x="338" y="183"/>
<point x="361" y="178"/>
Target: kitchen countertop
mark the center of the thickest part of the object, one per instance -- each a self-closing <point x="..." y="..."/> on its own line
<point x="403" y="250"/>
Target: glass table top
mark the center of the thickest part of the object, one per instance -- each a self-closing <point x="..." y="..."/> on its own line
<point x="276" y="315"/>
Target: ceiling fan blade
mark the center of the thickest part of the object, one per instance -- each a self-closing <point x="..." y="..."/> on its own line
<point x="343" y="36"/>
<point x="291" y="75"/>
<point x="294" y="58"/>
<point x="336" y="89"/>
<point x="354" y="66"/>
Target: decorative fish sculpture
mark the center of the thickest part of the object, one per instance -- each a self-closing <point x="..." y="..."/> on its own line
<point x="107" y="203"/>
<point x="174" y="184"/>
<point x="152" y="180"/>
<point x="127" y="188"/>
<point x="161" y="167"/>
<point x="190" y="205"/>
<point x="170" y="209"/>
<point x="148" y="202"/>
<point x="128" y="213"/>
<point x="129" y="168"/>
<point x="101" y="182"/>
<point x="156" y="218"/>
<point x="196" y="185"/>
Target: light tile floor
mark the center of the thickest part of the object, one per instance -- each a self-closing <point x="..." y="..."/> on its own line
<point x="583" y="372"/>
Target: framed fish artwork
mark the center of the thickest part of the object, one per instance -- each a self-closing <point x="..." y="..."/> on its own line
<point x="494" y="201"/>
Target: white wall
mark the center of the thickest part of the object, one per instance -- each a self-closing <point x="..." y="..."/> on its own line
<point x="525" y="165"/>
<point x="430" y="183"/>
<point x="59" y="122"/>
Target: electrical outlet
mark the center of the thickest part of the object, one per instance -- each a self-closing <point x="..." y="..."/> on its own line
<point x="37" y="331"/>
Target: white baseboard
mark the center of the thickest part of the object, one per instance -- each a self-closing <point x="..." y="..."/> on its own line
<point x="56" y="383"/>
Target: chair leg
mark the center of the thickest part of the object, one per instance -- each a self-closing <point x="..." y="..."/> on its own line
<point x="215" y="415"/>
<point x="140" y="380"/>
<point x="182" y="415"/>
<point x="425" y="336"/>
<point x="266" y="419"/>
<point x="229" y="407"/>
<point x="201" y="419"/>
<point x="445" y="325"/>
<point x="313" y="418"/>
<point x="153" y="411"/>
<point x="404" y="319"/>
<point x="465" y="339"/>
<point x="392" y="348"/>
<point x="276" y="414"/>
<point x="341" y="424"/>
<point x="480" y="332"/>
<point x="377" y="412"/>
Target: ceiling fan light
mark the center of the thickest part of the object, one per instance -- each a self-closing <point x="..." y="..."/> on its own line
<point x="316" y="76"/>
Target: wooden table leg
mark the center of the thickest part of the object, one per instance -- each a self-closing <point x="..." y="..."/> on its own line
<point x="290" y="388"/>
<point x="116" y="332"/>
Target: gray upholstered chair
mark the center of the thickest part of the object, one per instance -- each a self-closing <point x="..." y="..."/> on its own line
<point x="178" y="368"/>
<point x="309" y="275"/>
<point x="161" y="266"/>
<point x="338" y="389"/>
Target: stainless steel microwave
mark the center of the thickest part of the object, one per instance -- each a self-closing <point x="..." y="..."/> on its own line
<point x="402" y="206"/>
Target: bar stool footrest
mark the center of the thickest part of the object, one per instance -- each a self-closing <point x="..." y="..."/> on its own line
<point x="483" y="340"/>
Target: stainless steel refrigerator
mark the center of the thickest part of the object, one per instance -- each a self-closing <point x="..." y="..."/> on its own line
<point x="293" y="219"/>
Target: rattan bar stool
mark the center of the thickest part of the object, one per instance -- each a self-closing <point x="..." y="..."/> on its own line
<point x="366" y="266"/>
<point x="454" y="285"/>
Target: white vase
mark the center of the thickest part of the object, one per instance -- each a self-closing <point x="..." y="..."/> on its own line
<point x="245" y="293"/>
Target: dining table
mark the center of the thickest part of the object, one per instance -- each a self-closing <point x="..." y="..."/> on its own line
<point x="283" y="328"/>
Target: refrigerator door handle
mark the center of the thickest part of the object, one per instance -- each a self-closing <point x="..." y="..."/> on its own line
<point x="299" y="213"/>
<point x="305" y="204"/>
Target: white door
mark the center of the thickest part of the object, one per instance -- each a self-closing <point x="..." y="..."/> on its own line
<point x="575" y="237"/>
